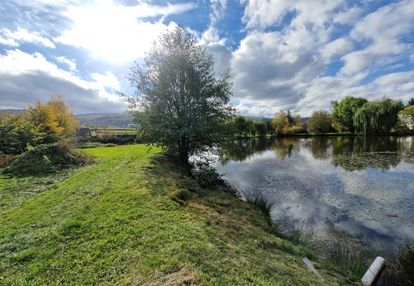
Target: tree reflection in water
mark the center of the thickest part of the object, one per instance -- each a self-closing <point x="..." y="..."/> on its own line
<point x="350" y="153"/>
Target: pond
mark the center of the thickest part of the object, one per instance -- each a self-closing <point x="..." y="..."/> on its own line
<point x="360" y="187"/>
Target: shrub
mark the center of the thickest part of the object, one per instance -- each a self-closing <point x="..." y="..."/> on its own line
<point x="43" y="123"/>
<point x="320" y="122"/>
<point x="182" y="195"/>
<point x="206" y="175"/>
<point x="122" y="139"/>
<point x="53" y="120"/>
<point x="16" y="132"/>
<point x="46" y="158"/>
<point x="295" y="130"/>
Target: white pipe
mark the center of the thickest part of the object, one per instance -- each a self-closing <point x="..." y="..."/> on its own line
<point x="373" y="273"/>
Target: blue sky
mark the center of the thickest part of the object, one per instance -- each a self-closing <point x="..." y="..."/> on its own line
<point x="281" y="54"/>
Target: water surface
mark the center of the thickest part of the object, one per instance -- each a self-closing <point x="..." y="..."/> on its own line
<point x="363" y="187"/>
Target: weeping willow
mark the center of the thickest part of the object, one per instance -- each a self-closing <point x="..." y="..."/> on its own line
<point x="377" y="117"/>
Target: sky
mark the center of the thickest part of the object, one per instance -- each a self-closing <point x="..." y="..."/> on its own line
<point x="281" y="54"/>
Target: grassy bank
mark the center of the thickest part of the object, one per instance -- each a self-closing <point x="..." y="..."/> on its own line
<point x="134" y="219"/>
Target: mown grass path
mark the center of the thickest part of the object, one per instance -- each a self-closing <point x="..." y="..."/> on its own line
<point x="121" y="222"/>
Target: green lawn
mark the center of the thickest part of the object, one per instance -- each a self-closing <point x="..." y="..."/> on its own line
<point x="121" y="222"/>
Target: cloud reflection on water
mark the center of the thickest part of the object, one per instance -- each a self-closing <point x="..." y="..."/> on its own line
<point x="368" y="193"/>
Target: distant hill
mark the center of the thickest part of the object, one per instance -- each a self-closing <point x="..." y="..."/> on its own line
<point x="115" y="119"/>
<point x="105" y="119"/>
<point x="304" y="119"/>
<point x="11" y="111"/>
<point x="257" y="118"/>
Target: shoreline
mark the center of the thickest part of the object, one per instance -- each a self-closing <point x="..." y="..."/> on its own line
<point x="333" y="134"/>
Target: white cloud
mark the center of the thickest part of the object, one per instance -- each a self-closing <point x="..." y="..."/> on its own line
<point x="399" y="84"/>
<point x="397" y="78"/>
<point x="287" y="68"/>
<point x="27" y="78"/>
<point x="70" y="63"/>
<point x="211" y="40"/>
<point x="383" y="29"/>
<point x="348" y="16"/>
<point x="255" y="108"/>
<point x="356" y="61"/>
<point x="217" y="10"/>
<point x="116" y="33"/>
<point x="335" y="48"/>
<point x="265" y="13"/>
<point x="14" y="38"/>
<point x="106" y="79"/>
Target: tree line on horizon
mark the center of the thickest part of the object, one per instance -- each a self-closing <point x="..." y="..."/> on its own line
<point x="353" y="115"/>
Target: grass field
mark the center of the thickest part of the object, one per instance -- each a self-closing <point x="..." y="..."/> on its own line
<point x="134" y="219"/>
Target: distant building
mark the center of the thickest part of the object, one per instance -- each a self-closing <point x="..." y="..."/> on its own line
<point x="85" y="133"/>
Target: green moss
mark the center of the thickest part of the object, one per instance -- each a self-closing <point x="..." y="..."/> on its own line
<point x="115" y="223"/>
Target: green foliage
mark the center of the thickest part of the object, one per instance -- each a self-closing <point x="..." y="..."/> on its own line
<point x="406" y="117"/>
<point x="344" y="111"/>
<point x="245" y="127"/>
<point x="291" y="119"/>
<point x="260" y="128"/>
<point x="269" y="127"/>
<point x="206" y="175"/>
<point x="118" y="139"/>
<point x="182" y="106"/>
<point x="46" y="158"/>
<point x="16" y="133"/>
<point x="52" y="121"/>
<point x="377" y="117"/>
<point x="43" y="123"/>
<point x="345" y="255"/>
<point x="411" y="101"/>
<point x="241" y="126"/>
<point x="285" y="124"/>
<point x="406" y="260"/>
<point x="295" y="130"/>
<point x="280" y="122"/>
<point x="320" y="122"/>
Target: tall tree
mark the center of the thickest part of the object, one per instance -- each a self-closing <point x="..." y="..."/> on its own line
<point x="53" y="120"/>
<point x="291" y="119"/>
<point x="377" y="117"/>
<point x="181" y="105"/>
<point x="16" y="133"/>
<point x="241" y="126"/>
<point x="260" y="128"/>
<point x="280" y="122"/>
<point x="344" y="111"/>
<point x="320" y="122"/>
<point x="269" y="127"/>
